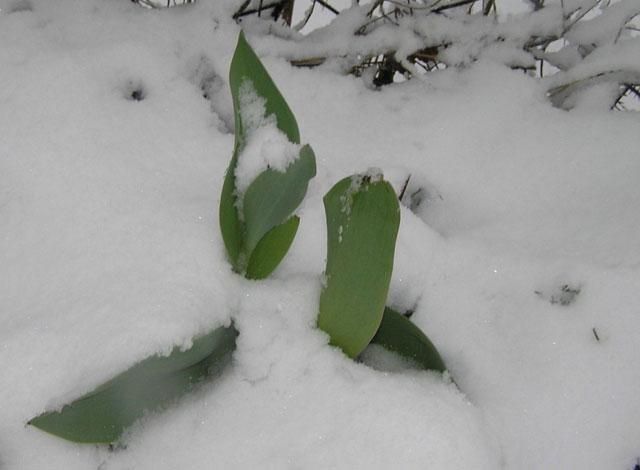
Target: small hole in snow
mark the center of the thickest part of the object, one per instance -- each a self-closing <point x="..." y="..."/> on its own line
<point x="137" y="95"/>
<point x="134" y="91"/>
<point x="210" y="85"/>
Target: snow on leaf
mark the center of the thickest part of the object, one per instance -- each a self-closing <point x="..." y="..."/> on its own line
<point x="269" y="172"/>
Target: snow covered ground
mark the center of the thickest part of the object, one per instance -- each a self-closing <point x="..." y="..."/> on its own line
<point x="522" y="261"/>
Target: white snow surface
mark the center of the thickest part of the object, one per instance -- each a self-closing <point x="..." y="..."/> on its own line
<point x="111" y="166"/>
<point x="607" y="27"/>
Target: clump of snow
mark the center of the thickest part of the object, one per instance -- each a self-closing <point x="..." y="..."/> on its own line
<point x="357" y="182"/>
<point x="605" y="28"/>
<point x="290" y="401"/>
<point x="577" y="7"/>
<point x="373" y="175"/>
<point x="381" y="359"/>
<point x="266" y="146"/>
<point x="253" y="108"/>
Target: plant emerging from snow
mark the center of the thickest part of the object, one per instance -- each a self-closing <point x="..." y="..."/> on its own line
<point x="268" y="174"/>
<point x="261" y="190"/>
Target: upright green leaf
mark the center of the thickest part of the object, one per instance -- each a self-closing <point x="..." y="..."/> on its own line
<point x="362" y="224"/>
<point x="230" y="224"/>
<point x="102" y="415"/>
<point x="271" y="198"/>
<point x="246" y="66"/>
<point x="398" y="334"/>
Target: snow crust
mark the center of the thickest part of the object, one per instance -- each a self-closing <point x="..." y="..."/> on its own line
<point x="110" y="252"/>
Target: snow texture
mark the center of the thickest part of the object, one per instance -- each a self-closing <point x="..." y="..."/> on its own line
<point x="518" y="251"/>
<point x="266" y="146"/>
<point x="606" y="27"/>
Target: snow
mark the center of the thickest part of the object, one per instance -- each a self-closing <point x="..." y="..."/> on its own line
<point x="372" y="175"/>
<point x="253" y="111"/>
<point x="290" y="401"/>
<point x="520" y="256"/>
<point x="379" y="358"/>
<point x="607" y="27"/>
<point x="266" y="146"/>
<point x="622" y="57"/>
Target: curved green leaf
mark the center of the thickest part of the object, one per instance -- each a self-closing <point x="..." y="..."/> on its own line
<point x="230" y="224"/>
<point x="362" y="224"/>
<point x="246" y="65"/>
<point x="398" y="334"/>
<point x="102" y="415"/>
<point x="271" y="249"/>
<point x="272" y="197"/>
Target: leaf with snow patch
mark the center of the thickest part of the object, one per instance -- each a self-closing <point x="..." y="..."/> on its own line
<point x="102" y="415"/>
<point x="268" y="203"/>
<point x="271" y="198"/>
<point x="363" y="217"/>
<point x="246" y="65"/>
<point x="274" y="195"/>
<point x="398" y="334"/>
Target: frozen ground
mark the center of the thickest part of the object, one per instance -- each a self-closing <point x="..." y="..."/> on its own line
<point x="521" y="262"/>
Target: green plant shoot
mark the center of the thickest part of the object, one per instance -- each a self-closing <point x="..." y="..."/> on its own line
<point x="363" y="217"/>
<point x="258" y="226"/>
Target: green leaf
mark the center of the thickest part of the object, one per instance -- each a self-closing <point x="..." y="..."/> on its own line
<point x="271" y="249"/>
<point x="230" y="224"/>
<point x="102" y="415"/>
<point x="246" y="65"/>
<point x="362" y="224"/>
<point x="273" y="196"/>
<point x="398" y="334"/>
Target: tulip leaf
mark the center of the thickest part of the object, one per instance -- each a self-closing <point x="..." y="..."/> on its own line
<point x="398" y="334"/>
<point x="230" y="224"/>
<point x="246" y="66"/>
<point x="271" y="249"/>
<point x="103" y="414"/>
<point x="271" y="198"/>
<point x="362" y="224"/>
<point x="274" y="195"/>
